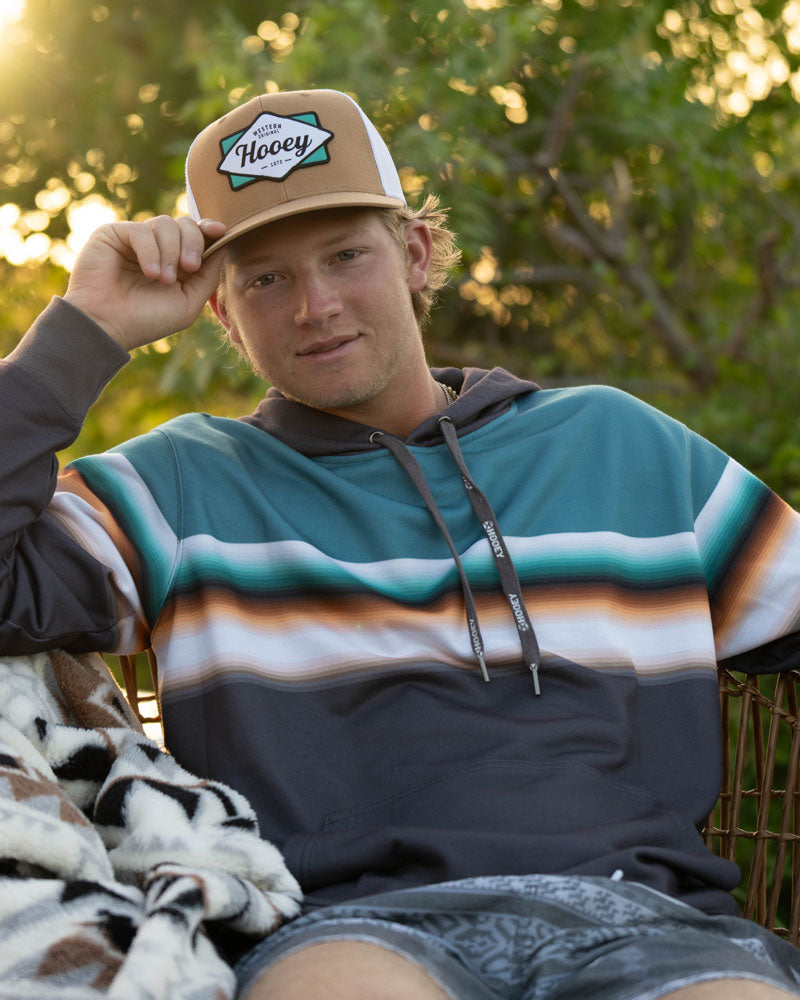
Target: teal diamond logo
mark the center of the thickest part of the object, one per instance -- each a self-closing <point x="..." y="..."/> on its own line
<point x="272" y="147"/>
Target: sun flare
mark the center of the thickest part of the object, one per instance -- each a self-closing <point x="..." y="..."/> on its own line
<point x="10" y="11"/>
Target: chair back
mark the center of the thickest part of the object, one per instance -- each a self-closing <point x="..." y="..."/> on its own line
<point x="756" y="821"/>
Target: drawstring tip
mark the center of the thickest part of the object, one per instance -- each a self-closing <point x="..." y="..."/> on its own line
<point x="484" y="671"/>
<point x="535" y="671"/>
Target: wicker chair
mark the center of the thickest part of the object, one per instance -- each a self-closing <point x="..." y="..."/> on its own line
<point x="756" y="821"/>
<point x="143" y="697"/>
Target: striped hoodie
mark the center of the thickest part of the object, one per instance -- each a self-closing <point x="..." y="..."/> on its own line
<point x="322" y="599"/>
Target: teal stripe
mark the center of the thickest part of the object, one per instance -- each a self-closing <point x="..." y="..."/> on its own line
<point x="625" y="569"/>
<point x="730" y="533"/>
<point x="364" y="507"/>
<point x="155" y="564"/>
<point x="267" y="576"/>
<point x="280" y="575"/>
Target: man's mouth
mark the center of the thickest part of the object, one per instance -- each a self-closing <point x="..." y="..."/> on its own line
<point x="325" y="347"/>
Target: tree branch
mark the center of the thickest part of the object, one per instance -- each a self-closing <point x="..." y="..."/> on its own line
<point x="769" y="283"/>
<point x="549" y="274"/>
<point x="558" y="127"/>
<point x="667" y="324"/>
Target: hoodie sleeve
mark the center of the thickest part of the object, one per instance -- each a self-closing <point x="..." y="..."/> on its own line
<point x="749" y="540"/>
<point x="52" y="591"/>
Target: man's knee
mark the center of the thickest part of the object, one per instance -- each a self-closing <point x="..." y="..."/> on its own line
<point x="730" y="989"/>
<point x="344" y="970"/>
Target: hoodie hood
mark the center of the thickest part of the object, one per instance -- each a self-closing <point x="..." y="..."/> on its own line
<point x="482" y="396"/>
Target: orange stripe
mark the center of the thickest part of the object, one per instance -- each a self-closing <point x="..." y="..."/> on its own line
<point x="71" y="481"/>
<point x="755" y="560"/>
<point x="339" y="612"/>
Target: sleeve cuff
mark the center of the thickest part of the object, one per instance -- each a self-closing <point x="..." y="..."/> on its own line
<point x="70" y="354"/>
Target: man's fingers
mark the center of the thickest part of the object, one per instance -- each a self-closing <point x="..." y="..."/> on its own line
<point x="192" y="244"/>
<point x="156" y="245"/>
<point x="141" y="281"/>
<point x="170" y="236"/>
<point x="169" y="249"/>
<point x="142" y="241"/>
<point x="211" y="228"/>
<point x="205" y="280"/>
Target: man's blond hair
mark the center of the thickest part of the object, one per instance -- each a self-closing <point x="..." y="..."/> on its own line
<point x="445" y="252"/>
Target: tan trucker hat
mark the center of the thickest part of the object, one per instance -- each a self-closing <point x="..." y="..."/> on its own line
<point x="285" y="153"/>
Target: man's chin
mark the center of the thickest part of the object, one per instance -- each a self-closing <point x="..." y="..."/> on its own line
<point x="350" y="399"/>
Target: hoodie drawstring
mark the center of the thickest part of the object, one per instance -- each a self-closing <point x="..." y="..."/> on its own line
<point x="502" y="557"/>
<point x="411" y="466"/>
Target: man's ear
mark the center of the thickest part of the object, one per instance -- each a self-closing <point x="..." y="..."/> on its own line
<point x="219" y="310"/>
<point x="419" y="243"/>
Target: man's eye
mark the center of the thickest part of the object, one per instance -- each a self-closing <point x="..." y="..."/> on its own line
<point x="347" y="254"/>
<point x="265" y="279"/>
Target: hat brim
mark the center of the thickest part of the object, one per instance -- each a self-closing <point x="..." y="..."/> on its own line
<point x="298" y="206"/>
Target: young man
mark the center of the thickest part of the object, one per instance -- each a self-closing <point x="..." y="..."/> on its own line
<point x="330" y="583"/>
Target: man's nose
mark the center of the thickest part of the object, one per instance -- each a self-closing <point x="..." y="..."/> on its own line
<point x="317" y="301"/>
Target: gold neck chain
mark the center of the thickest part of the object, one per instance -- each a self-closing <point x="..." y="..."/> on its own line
<point x="450" y="395"/>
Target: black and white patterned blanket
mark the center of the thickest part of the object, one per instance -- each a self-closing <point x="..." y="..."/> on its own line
<point x="115" y="863"/>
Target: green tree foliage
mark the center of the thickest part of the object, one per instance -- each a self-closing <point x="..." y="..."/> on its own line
<point x="623" y="174"/>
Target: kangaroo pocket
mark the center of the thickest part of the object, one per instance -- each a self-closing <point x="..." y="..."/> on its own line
<point x="493" y="817"/>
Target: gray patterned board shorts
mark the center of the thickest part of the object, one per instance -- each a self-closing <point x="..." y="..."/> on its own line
<point x="544" y="937"/>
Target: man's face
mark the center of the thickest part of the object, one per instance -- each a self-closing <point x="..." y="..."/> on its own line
<point x="320" y="304"/>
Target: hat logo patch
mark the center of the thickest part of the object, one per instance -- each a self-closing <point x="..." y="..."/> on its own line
<point x="272" y="147"/>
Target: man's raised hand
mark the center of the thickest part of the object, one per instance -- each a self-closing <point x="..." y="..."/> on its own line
<point x="141" y="281"/>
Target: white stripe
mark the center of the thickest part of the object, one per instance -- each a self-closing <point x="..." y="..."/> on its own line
<point x="89" y="529"/>
<point x="717" y="507"/>
<point x="604" y="544"/>
<point x="773" y="605"/>
<point x="310" y="649"/>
